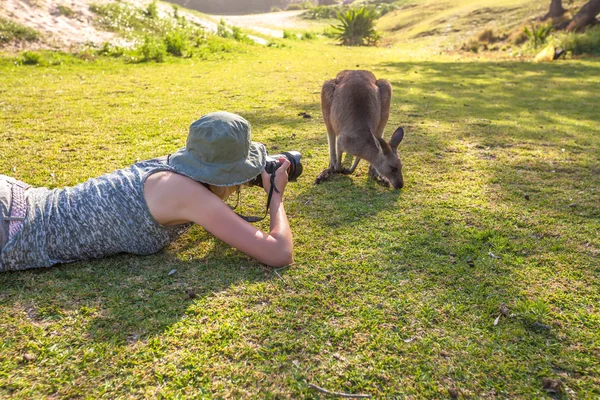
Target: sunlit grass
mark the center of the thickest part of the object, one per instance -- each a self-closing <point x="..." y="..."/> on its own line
<point x="393" y="293"/>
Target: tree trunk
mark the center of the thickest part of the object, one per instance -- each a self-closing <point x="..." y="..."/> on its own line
<point x="556" y="10"/>
<point x="586" y="16"/>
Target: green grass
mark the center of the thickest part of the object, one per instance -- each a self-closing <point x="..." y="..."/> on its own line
<point x="393" y="293"/>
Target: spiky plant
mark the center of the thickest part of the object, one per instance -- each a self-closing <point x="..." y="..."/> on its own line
<point x="357" y="27"/>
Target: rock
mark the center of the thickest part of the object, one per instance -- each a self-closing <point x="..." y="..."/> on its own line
<point x="552" y="385"/>
<point x="28" y="357"/>
<point x="545" y="55"/>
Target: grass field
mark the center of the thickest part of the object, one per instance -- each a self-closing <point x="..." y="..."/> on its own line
<point x="393" y="293"/>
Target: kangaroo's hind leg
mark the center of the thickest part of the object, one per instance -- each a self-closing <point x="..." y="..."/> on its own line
<point x="326" y="100"/>
<point x="385" y="100"/>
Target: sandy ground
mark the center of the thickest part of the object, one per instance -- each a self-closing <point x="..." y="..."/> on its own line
<point x="67" y="33"/>
<point x="62" y="32"/>
<point x="58" y="31"/>
<point x="270" y="24"/>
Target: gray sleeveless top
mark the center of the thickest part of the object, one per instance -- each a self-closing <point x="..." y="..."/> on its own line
<point x="100" y="217"/>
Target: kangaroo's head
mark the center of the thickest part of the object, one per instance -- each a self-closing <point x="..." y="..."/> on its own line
<point x="388" y="163"/>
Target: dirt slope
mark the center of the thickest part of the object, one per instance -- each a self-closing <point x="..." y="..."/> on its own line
<point x="68" y="32"/>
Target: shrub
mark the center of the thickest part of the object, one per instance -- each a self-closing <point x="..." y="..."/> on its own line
<point x="126" y="18"/>
<point x="108" y="50"/>
<point x="275" y="9"/>
<point x="152" y="10"/>
<point x="289" y="35"/>
<point x="10" y="31"/>
<point x="152" y="50"/>
<point x="223" y="30"/>
<point x="176" y="43"/>
<point x="356" y="27"/>
<point x="31" y="58"/>
<point x="537" y="36"/>
<point x="308" y="36"/>
<point x="384" y="8"/>
<point x="65" y="11"/>
<point x="321" y="12"/>
<point x="176" y="12"/>
<point x="471" y="45"/>
<point x="294" y="6"/>
<point x="240" y="36"/>
<point x="587" y="42"/>
<point x="234" y="32"/>
<point x="519" y="38"/>
<point x="486" y="36"/>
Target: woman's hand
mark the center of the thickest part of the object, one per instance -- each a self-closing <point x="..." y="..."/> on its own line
<point x="281" y="177"/>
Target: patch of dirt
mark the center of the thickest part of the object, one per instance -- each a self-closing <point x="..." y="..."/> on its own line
<point x="58" y="31"/>
<point x="61" y="32"/>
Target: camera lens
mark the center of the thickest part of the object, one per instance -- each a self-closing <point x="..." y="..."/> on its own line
<point x="294" y="170"/>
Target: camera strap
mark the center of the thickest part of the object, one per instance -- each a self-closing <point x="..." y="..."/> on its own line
<point x="272" y="189"/>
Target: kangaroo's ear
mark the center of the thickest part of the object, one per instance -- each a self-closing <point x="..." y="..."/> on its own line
<point x="397" y="138"/>
<point x="383" y="145"/>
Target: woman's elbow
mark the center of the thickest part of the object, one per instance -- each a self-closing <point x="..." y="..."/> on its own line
<point x="284" y="258"/>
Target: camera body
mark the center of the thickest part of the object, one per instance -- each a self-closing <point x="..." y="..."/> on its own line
<point x="294" y="171"/>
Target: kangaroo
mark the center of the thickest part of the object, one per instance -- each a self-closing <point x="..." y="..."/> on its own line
<point x="356" y="108"/>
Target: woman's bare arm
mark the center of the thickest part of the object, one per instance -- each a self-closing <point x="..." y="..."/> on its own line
<point x="174" y="198"/>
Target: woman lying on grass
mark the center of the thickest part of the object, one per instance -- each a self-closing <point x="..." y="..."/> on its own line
<point x="142" y="208"/>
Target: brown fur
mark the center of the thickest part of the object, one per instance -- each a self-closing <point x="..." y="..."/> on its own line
<point x="356" y="108"/>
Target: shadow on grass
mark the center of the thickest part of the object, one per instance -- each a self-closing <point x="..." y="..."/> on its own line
<point x="125" y="297"/>
<point x="533" y="126"/>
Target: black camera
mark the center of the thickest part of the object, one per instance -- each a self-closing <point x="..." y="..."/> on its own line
<point x="294" y="171"/>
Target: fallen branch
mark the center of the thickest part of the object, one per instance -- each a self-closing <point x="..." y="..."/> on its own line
<point x="338" y="394"/>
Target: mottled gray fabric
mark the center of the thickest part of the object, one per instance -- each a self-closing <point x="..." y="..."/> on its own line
<point x="5" y="199"/>
<point x="100" y="217"/>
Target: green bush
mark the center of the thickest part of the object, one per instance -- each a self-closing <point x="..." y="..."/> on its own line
<point x="308" y="36"/>
<point x="294" y="7"/>
<point x="289" y="35"/>
<point x="152" y="50"/>
<point x="321" y="12"/>
<point x="538" y="35"/>
<point x="32" y="58"/>
<point x="223" y="30"/>
<point x="128" y="19"/>
<point x="216" y="47"/>
<point x="65" y="11"/>
<point x="152" y="10"/>
<point x="232" y="32"/>
<point x="239" y="35"/>
<point x="10" y="31"/>
<point x="112" y="51"/>
<point x="177" y="43"/>
<point x="357" y="27"/>
<point x="587" y="42"/>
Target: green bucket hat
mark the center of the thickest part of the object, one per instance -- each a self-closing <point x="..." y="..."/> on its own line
<point x="219" y="151"/>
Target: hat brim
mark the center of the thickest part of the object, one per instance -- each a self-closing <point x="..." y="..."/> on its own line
<point x="230" y="174"/>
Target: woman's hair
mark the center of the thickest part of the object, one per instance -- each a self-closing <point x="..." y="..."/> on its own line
<point x="223" y="192"/>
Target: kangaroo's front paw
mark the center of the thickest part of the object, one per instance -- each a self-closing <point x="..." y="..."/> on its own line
<point x="325" y="175"/>
<point x="378" y="178"/>
<point x="346" y="171"/>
